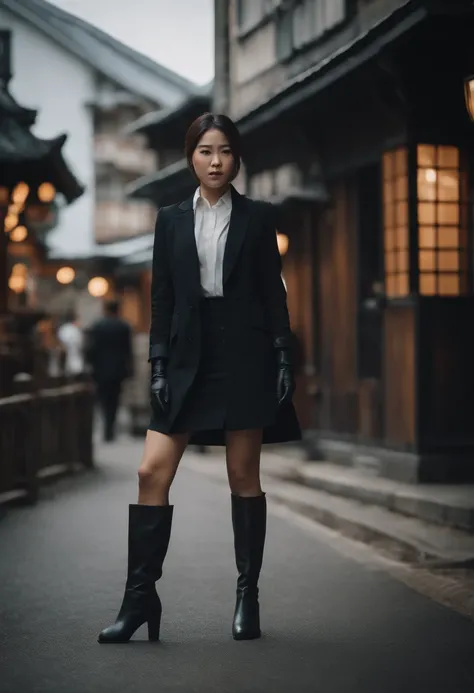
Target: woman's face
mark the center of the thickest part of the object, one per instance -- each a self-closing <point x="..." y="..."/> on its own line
<point x="213" y="160"/>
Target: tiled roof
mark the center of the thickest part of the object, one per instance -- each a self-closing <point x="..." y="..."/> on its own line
<point x="126" y="67"/>
<point x="23" y="154"/>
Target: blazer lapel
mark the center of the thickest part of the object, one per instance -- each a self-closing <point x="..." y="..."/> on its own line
<point x="187" y="245"/>
<point x="239" y="219"/>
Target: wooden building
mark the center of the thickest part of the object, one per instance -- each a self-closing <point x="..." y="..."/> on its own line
<point x="33" y="174"/>
<point x="170" y="182"/>
<point x="164" y="131"/>
<point x="354" y="119"/>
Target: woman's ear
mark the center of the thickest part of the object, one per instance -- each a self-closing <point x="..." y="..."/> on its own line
<point x="235" y="172"/>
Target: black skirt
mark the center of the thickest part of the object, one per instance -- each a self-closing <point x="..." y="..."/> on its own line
<point x="204" y="408"/>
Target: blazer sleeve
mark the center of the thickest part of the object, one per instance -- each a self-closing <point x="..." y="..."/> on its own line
<point x="273" y="289"/>
<point x="162" y="294"/>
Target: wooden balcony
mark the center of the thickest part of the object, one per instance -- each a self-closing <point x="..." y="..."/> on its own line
<point x="125" y="154"/>
<point x="120" y="220"/>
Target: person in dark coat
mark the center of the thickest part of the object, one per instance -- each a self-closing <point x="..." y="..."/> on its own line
<point x="110" y="354"/>
<point x="221" y="370"/>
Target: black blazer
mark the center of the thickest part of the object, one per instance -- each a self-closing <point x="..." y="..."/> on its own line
<point x="251" y="253"/>
<point x="256" y="308"/>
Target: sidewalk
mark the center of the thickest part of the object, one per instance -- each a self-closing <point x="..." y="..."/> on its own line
<point x="334" y="618"/>
<point x="416" y="524"/>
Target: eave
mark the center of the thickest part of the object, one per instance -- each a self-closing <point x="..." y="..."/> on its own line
<point x="25" y="157"/>
<point x="166" y="186"/>
<point x="167" y="127"/>
<point x="336" y="66"/>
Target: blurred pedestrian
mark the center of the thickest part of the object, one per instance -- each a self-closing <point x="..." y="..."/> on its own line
<point x="221" y="370"/>
<point x="71" y="338"/>
<point x="110" y="355"/>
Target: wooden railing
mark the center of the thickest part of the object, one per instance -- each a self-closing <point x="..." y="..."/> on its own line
<point x="44" y="432"/>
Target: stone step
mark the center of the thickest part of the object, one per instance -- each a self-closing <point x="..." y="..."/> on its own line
<point x="446" y="505"/>
<point x="404" y="538"/>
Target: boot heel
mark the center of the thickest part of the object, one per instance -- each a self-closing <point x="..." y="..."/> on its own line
<point x="154" y="629"/>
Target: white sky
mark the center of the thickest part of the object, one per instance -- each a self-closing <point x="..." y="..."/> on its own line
<point x="176" y="33"/>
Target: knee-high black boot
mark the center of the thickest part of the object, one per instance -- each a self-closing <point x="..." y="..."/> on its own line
<point x="249" y="519"/>
<point x="149" y="530"/>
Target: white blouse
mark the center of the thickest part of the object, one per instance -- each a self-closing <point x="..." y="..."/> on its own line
<point x="211" y="226"/>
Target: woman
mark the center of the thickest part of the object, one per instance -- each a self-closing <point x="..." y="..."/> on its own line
<point x="220" y="353"/>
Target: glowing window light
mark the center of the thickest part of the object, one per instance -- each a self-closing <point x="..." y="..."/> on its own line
<point x="19" y="269"/>
<point x="98" y="286"/>
<point x="16" y="208"/>
<point x="65" y="275"/>
<point x="17" y="279"/>
<point x="20" y="193"/>
<point x="46" y="192"/>
<point x="17" y="283"/>
<point x="11" y="220"/>
<point x="18" y="234"/>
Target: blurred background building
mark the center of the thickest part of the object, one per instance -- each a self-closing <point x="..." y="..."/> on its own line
<point x="356" y="118"/>
<point x="355" y="124"/>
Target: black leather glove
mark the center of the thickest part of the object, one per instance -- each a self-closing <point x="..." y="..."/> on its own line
<point x="160" y="396"/>
<point x="285" y="380"/>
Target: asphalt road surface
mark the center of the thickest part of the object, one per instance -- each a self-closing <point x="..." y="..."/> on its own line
<point x="331" y="624"/>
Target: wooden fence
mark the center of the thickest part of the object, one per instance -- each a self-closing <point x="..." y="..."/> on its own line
<point x="44" y="432"/>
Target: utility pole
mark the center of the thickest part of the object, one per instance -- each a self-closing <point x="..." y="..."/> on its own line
<point x="221" y="57"/>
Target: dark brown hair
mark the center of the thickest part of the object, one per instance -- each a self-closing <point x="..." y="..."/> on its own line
<point x="213" y="121"/>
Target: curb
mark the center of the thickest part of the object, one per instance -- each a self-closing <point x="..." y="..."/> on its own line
<point x="404" y="539"/>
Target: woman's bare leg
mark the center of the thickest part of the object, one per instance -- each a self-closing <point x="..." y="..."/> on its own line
<point x="161" y="457"/>
<point x="243" y="450"/>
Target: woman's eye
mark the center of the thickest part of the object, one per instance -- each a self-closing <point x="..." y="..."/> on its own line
<point x="205" y="151"/>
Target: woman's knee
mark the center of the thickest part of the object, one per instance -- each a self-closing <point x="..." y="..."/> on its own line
<point x="160" y="461"/>
<point x="155" y="472"/>
<point x="244" y="480"/>
<point x="243" y="462"/>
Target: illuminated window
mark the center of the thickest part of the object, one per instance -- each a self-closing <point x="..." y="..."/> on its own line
<point x="442" y="221"/>
<point x="442" y="213"/>
<point x="395" y="198"/>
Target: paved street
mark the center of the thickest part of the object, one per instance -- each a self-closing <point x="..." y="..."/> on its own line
<point x="332" y="624"/>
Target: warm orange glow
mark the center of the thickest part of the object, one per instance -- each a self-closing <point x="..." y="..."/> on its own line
<point x="440" y="230"/>
<point x="16" y="208"/>
<point x="65" y="275"/>
<point x="19" y="234"/>
<point x="20" y="193"/>
<point x="469" y="96"/>
<point x="11" y="220"/>
<point x="17" y="283"/>
<point x="4" y="195"/>
<point x="395" y="197"/>
<point x="17" y="280"/>
<point x="98" y="287"/>
<point x="46" y="192"/>
<point x="20" y="269"/>
<point x="283" y="243"/>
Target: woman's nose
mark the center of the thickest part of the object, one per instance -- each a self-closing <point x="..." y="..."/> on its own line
<point x="216" y="161"/>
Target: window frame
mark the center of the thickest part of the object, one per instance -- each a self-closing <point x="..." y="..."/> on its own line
<point x="285" y="27"/>
<point x="461" y="254"/>
<point x="268" y="10"/>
